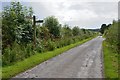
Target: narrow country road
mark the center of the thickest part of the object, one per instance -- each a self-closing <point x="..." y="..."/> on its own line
<point x="83" y="61"/>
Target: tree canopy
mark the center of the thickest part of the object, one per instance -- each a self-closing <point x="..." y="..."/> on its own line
<point x="15" y="25"/>
<point x="53" y="25"/>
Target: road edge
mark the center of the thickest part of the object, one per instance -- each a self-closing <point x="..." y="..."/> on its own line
<point x="102" y="60"/>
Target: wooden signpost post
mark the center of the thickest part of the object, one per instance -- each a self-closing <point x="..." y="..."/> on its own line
<point x="34" y="23"/>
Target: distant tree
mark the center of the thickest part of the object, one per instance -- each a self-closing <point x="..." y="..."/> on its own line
<point x="108" y="25"/>
<point x="66" y="31"/>
<point x="104" y="27"/>
<point x="53" y="26"/>
<point x="76" y="31"/>
<point x="84" y="31"/>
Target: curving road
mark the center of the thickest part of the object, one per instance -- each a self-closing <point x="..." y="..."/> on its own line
<point x="83" y="61"/>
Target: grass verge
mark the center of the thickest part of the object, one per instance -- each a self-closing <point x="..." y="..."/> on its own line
<point x="10" y="71"/>
<point x="110" y="61"/>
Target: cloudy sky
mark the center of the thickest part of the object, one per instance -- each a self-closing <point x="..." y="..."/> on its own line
<point x="85" y="14"/>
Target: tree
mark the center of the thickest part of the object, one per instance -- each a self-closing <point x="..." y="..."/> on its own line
<point x="66" y="31"/>
<point x="76" y="31"/>
<point x="104" y="27"/>
<point x="53" y="26"/>
<point x="84" y="31"/>
<point x="15" y="25"/>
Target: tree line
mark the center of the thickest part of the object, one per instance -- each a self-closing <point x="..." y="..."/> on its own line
<point x="17" y="34"/>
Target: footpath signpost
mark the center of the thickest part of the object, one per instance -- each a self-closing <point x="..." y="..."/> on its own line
<point x="34" y="23"/>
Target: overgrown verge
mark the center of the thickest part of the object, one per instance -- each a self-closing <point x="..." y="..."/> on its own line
<point x="10" y="71"/>
<point x="110" y="61"/>
<point x="111" y="51"/>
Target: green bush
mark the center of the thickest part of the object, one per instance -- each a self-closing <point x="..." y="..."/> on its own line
<point x="58" y="44"/>
<point x="6" y="56"/>
<point x="12" y="54"/>
<point x="112" y="35"/>
<point x="16" y="53"/>
<point x="40" y="47"/>
<point x="50" y="45"/>
<point x="29" y="50"/>
<point x="61" y="43"/>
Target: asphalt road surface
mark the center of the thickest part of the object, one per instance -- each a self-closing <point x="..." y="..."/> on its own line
<point x="83" y="61"/>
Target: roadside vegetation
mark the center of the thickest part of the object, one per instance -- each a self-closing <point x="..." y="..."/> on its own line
<point x="52" y="38"/>
<point x="10" y="71"/>
<point x="111" y="50"/>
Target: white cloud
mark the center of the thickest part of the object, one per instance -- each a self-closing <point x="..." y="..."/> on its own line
<point x="83" y="14"/>
<point x="86" y="14"/>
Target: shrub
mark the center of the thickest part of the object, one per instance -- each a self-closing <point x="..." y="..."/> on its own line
<point x="28" y="50"/>
<point x="40" y="48"/>
<point x="112" y="35"/>
<point x="50" y="45"/>
<point x="58" y="44"/>
<point x="12" y="54"/>
<point x="16" y="53"/>
<point x="6" y="56"/>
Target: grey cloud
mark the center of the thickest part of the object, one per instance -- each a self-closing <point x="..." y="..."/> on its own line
<point x="104" y="7"/>
<point x="76" y="7"/>
<point x="97" y="7"/>
<point x="100" y="9"/>
<point x="39" y="9"/>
